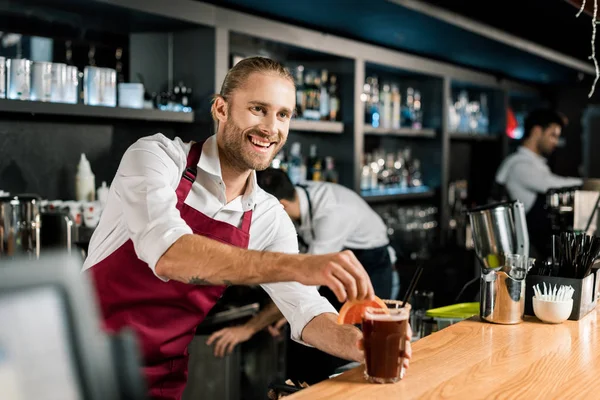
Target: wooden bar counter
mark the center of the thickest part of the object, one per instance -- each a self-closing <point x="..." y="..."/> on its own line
<point x="479" y="360"/>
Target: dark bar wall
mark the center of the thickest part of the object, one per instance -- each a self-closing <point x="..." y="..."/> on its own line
<point x="42" y="157"/>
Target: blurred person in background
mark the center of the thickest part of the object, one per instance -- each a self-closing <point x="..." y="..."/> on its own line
<point x="525" y="175"/>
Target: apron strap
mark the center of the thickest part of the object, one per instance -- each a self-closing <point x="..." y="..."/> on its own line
<point x="246" y="220"/>
<point x="189" y="174"/>
<point x="310" y="211"/>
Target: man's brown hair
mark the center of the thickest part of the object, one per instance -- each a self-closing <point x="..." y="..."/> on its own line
<point x="236" y="76"/>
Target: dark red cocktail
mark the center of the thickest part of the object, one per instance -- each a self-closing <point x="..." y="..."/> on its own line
<point x="384" y="334"/>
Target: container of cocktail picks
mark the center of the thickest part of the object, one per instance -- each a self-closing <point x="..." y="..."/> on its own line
<point x="553" y="305"/>
<point x="573" y="258"/>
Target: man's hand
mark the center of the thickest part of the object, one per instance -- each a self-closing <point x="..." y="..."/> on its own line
<point x="406" y="354"/>
<point x="340" y="272"/>
<point x="275" y="329"/>
<point x="226" y="339"/>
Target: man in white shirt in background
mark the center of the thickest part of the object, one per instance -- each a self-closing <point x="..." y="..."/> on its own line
<point x="185" y="220"/>
<point x="526" y="176"/>
<point x="329" y="218"/>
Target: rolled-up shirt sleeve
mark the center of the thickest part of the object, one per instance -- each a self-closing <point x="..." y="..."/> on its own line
<point x="145" y="183"/>
<point x="298" y="303"/>
<point x="539" y="180"/>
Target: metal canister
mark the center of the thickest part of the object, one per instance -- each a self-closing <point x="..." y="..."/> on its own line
<point x="59" y="78"/>
<point x="41" y="81"/>
<point x="20" y="226"/>
<point x="71" y="92"/>
<point x="18" y="72"/>
<point x="110" y="87"/>
<point x="502" y="298"/>
<point x="92" y="86"/>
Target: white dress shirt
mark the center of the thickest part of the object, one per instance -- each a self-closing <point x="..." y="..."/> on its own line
<point x="141" y="206"/>
<point x="340" y="219"/>
<point x="526" y="174"/>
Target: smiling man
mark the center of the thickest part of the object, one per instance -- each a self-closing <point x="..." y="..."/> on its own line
<point x="184" y="220"/>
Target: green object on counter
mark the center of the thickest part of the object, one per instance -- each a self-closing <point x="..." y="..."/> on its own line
<point x="454" y="311"/>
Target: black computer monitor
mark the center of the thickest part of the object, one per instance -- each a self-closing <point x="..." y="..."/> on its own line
<point x="51" y="342"/>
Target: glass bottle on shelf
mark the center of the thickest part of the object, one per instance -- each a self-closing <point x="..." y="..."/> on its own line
<point x="374" y="170"/>
<point x="365" y="97"/>
<point x="395" y="107"/>
<point x="334" y="101"/>
<point x="484" y="120"/>
<point x="375" y="110"/>
<point x="408" y="109"/>
<point x="280" y="162"/>
<point x="324" y="96"/>
<point x="300" y="91"/>
<point x="401" y="171"/>
<point x="296" y="167"/>
<point x="314" y="168"/>
<point x="386" y="107"/>
<point x="330" y="174"/>
<point x="417" y="111"/>
<point x="365" y="178"/>
<point x="416" y="177"/>
<point x="311" y="110"/>
<point x="473" y="112"/>
<point x="119" y="65"/>
<point x="461" y="109"/>
<point x="391" y="179"/>
<point x="408" y="165"/>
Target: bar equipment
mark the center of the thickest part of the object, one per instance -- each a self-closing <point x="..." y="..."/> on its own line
<point x="501" y="244"/>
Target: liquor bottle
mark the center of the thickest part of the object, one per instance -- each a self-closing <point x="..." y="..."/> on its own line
<point x="483" y="122"/>
<point x="278" y="161"/>
<point x="324" y="96"/>
<point x="365" y="178"/>
<point x="375" y="111"/>
<point x="296" y="167"/>
<point x="408" y="165"/>
<point x="334" y="101"/>
<point x="311" y="91"/>
<point x="386" y="106"/>
<point x="417" y="111"/>
<point x="330" y="174"/>
<point x="300" y="92"/>
<point x="417" y="179"/>
<point x="408" y="109"/>
<point x="395" y="107"/>
<point x="314" y="168"/>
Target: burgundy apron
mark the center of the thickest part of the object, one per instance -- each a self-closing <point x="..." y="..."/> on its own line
<point x="164" y="315"/>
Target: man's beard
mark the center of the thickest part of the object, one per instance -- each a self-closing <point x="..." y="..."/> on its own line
<point x="235" y="153"/>
<point x="543" y="151"/>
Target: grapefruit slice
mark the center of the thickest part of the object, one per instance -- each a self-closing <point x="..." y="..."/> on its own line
<point x="352" y="311"/>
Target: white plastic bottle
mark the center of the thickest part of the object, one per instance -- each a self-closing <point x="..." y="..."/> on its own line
<point x="85" y="181"/>
<point x="102" y="194"/>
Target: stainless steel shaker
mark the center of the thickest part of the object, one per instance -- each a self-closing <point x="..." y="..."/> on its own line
<point x="501" y="242"/>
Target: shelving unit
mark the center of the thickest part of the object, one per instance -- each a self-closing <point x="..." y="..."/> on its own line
<point x="477" y="137"/>
<point x="433" y="145"/>
<point x="396" y="194"/>
<point x="401" y="132"/>
<point x="81" y="110"/>
<point x="195" y="41"/>
<point x="303" y="125"/>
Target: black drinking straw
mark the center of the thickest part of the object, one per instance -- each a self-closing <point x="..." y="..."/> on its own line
<point x="413" y="285"/>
